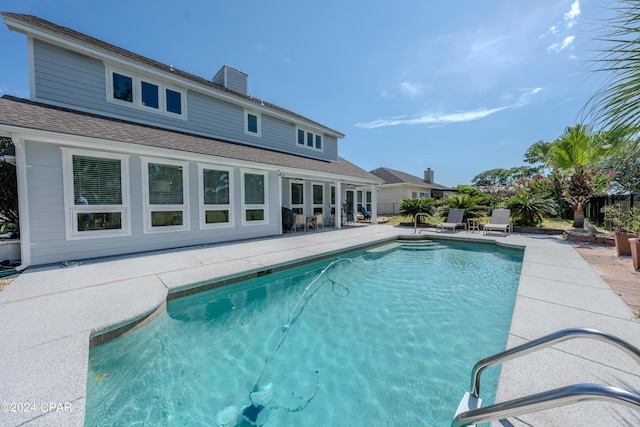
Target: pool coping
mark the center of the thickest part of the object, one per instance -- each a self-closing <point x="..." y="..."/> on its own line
<point x="48" y="324"/>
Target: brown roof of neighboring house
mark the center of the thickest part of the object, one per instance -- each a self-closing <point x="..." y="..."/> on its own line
<point x="17" y="112"/>
<point x="81" y="38"/>
<point x="392" y="176"/>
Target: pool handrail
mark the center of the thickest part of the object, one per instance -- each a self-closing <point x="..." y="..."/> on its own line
<point x="552" y="398"/>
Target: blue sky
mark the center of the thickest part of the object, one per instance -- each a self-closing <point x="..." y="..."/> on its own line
<point x="460" y="87"/>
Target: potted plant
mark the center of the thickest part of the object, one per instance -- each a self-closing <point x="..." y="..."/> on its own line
<point x="634" y="227"/>
<point x="618" y="218"/>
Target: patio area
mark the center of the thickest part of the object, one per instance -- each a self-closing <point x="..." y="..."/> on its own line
<point x="49" y="315"/>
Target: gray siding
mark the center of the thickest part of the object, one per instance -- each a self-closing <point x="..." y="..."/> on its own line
<point x="46" y="208"/>
<point x="67" y="78"/>
<point x="232" y="79"/>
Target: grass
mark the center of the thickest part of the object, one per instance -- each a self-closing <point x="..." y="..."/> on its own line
<point x="557" y="223"/>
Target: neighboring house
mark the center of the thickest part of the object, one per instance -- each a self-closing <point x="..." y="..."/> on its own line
<point x="117" y="153"/>
<point x="398" y="186"/>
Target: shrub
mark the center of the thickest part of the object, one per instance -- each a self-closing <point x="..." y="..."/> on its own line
<point x="411" y="207"/>
<point x="473" y="205"/>
<point x="530" y="209"/>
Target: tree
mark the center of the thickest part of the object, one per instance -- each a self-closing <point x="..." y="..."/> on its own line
<point x="616" y="103"/>
<point x="502" y="177"/>
<point x="472" y="205"/>
<point x="530" y="209"/>
<point x="572" y="158"/>
<point x="9" y="187"/>
<point x="626" y="164"/>
<point x="411" y="207"/>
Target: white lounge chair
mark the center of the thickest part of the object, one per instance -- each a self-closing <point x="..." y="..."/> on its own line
<point x="454" y="220"/>
<point x="500" y="221"/>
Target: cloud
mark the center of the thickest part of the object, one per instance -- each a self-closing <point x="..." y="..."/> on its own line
<point x="571" y="17"/>
<point x="484" y="45"/>
<point x="448" y="118"/>
<point x="431" y="119"/>
<point x="559" y="32"/>
<point x="559" y="47"/>
<point x="411" y="89"/>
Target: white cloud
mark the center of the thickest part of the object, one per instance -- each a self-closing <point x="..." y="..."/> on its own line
<point x="559" y="47"/>
<point x="448" y="118"/>
<point x="484" y="45"/>
<point x="431" y="119"/>
<point x="571" y="17"/>
<point x="411" y="89"/>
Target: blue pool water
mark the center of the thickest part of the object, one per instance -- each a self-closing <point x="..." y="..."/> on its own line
<point x="367" y="339"/>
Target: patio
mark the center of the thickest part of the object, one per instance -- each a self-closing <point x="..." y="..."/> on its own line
<point x="50" y="313"/>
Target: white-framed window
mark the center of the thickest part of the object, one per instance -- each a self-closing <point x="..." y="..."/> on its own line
<point x="424" y="195"/>
<point x="308" y="139"/>
<point x="96" y="188"/>
<point x="165" y="195"/>
<point x="137" y="91"/>
<point x="317" y="194"/>
<point x="252" y="123"/>
<point x="297" y="197"/>
<point x="254" y="197"/>
<point x="216" y="196"/>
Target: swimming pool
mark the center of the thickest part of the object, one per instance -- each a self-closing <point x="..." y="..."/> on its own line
<point x="386" y="336"/>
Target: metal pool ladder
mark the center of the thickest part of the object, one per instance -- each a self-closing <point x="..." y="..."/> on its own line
<point x="470" y="412"/>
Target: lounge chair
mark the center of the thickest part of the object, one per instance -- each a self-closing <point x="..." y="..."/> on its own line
<point x="454" y="220"/>
<point x="364" y="213"/>
<point x="500" y="221"/>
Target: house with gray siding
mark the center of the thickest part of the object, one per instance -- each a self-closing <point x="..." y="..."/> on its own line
<point x="397" y="186"/>
<point x="117" y="153"/>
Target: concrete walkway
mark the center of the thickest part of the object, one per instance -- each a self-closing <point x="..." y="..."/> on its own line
<point x="49" y="314"/>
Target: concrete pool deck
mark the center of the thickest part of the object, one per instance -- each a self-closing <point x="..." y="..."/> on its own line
<point x="48" y="315"/>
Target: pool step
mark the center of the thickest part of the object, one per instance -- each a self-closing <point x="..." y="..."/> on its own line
<point x="385" y="248"/>
<point x="422" y="246"/>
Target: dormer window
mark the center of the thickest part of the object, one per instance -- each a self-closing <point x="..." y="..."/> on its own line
<point x="140" y="92"/>
<point x="149" y="94"/>
<point x="252" y="123"/>
<point x="122" y="87"/>
<point x="308" y="139"/>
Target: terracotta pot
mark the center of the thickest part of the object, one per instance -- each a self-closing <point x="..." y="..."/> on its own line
<point x="635" y="252"/>
<point x="623" y="247"/>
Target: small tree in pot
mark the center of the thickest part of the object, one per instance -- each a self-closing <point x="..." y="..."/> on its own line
<point x="618" y="218"/>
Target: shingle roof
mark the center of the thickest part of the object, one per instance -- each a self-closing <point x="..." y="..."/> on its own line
<point x="84" y="39"/>
<point x="16" y="112"/>
<point x="392" y="176"/>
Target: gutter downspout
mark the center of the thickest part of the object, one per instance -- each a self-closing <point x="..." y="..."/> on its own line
<point x="23" y="202"/>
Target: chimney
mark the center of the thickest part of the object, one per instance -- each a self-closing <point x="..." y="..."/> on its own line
<point x="428" y="176"/>
<point x="232" y="79"/>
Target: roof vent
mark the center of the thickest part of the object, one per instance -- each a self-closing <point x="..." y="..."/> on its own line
<point x="232" y="79"/>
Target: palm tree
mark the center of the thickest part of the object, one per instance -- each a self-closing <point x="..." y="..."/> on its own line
<point x="572" y="158"/>
<point x="616" y="103"/>
<point x="411" y="207"/>
<point x="472" y="205"/>
<point x="530" y="209"/>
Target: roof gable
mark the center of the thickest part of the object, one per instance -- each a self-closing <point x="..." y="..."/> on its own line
<point x="51" y="32"/>
<point x="392" y="176"/>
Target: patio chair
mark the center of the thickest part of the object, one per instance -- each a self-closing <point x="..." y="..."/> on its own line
<point x="319" y="221"/>
<point x="500" y="221"/>
<point x="455" y="219"/>
<point x="301" y="220"/>
<point x="364" y="213"/>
